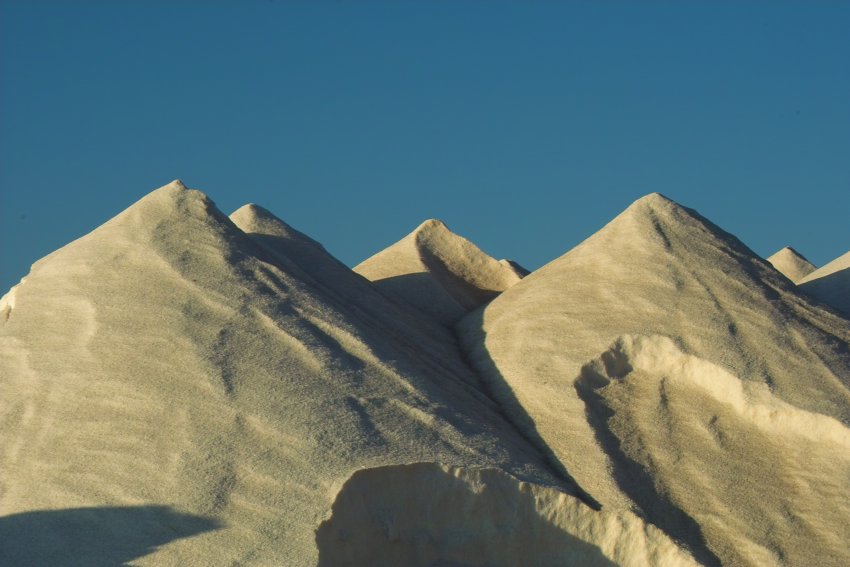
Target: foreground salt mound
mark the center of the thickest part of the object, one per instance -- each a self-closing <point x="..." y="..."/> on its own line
<point x="650" y="360"/>
<point x="831" y="283"/>
<point x="427" y="514"/>
<point x="440" y="273"/>
<point x="664" y="415"/>
<point x="791" y="264"/>
<point x="168" y="367"/>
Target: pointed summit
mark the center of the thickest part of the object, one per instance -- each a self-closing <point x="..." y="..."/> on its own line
<point x="162" y="223"/>
<point x="650" y="359"/>
<point x="438" y="272"/>
<point x="791" y="264"/>
<point x="168" y="356"/>
<point x="831" y="283"/>
<point x="169" y="212"/>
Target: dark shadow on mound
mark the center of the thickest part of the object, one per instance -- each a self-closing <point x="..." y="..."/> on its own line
<point x="93" y="537"/>
<point x="497" y="389"/>
<point x="465" y="293"/>
<point x="420" y="515"/>
<point x="426" y="294"/>
<point x="833" y="290"/>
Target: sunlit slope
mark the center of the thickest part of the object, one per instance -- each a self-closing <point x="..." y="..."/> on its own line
<point x="675" y="374"/>
<point x="438" y="272"/>
<point x="791" y="264"/>
<point x="167" y="359"/>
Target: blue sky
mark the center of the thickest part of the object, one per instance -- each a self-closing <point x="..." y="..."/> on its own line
<point x="525" y="126"/>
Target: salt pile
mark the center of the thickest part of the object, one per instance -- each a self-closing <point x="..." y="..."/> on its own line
<point x="791" y="264"/>
<point x="440" y="273"/>
<point x="675" y="374"/>
<point x="182" y="387"/>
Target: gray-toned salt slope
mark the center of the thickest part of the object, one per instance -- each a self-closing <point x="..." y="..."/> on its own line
<point x="196" y="395"/>
<point x="675" y="374"/>
<point x="438" y="272"/>
<point x="791" y="264"/>
<point x="831" y="283"/>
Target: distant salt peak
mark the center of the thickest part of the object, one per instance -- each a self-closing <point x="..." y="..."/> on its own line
<point x="791" y="264"/>
<point x="441" y="273"/>
<point x="434" y="233"/>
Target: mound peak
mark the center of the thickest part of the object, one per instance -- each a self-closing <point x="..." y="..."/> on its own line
<point x="655" y="199"/>
<point x="442" y="274"/>
<point x="170" y="357"/>
<point x="665" y="276"/>
<point x="431" y="224"/>
<point x="791" y="264"/>
<point x="171" y="195"/>
<point x="169" y="203"/>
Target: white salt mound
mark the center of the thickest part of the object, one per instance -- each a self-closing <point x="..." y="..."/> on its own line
<point x="831" y="283"/>
<point x="195" y="395"/>
<point x="675" y="374"/>
<point x="440" y="273"/>
<point x="791" y="264"/>
<point x="182" y="388"/>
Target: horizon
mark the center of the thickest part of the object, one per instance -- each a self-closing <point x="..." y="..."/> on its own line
<point x="525" y="128"/>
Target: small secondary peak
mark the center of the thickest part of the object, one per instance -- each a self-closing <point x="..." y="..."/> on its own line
<point x="791" y="264"/>
<point x="253" y="211"/>
<point x="253" y="218"/>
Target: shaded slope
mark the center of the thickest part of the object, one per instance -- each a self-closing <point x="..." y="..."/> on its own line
<point x="167" y="359"/>
<point x="299" y="254"/>
<point x="438" y="272"/>
<point x="478" y="517"/>
<point x="642" y="439"/>
<point x="831" y="283"/>
<point x="99" y="537"/>
<point x="791" y="264"/>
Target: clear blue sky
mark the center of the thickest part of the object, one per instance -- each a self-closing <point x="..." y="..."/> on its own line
<point x="525" y="126"/>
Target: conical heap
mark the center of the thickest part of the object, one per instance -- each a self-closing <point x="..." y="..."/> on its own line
<point x="440" y="273"/>
<point x="167" y="360"/>
<point x="673" y="372"/>
<point x="791" y="264"/>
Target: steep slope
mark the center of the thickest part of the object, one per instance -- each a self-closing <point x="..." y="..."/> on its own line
<point x="831" y="283"/>
<point x="791" y="264"/>
<point x="675" y="374"/>
<point x="438" y="272"/>
<point x="165" y="376"/>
